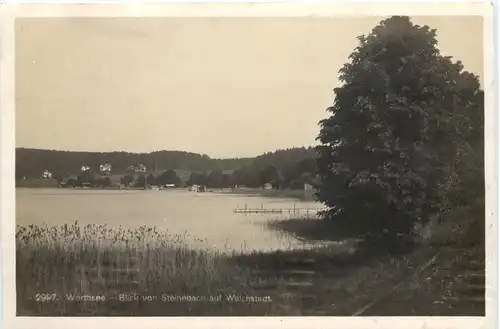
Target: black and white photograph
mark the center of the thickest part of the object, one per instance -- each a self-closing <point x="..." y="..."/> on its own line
<point x="272" y="166"/>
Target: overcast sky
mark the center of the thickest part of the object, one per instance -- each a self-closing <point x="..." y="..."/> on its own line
<point x="226" y="87"/>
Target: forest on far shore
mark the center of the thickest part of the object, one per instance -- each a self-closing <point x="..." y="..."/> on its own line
<point x="288" y="168"/>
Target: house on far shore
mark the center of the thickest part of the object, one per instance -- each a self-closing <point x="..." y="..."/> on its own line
<point x="138" y="168"/>
<point x="267" y="186"/>
<point x="105" y="168"/>
<point x="47" y="175"/>
<point x="197" y="188"/>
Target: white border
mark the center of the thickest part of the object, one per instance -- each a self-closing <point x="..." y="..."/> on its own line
<point x="7" y="191"/>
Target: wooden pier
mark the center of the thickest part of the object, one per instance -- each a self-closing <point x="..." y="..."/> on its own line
<point x="262" y="210"/>
<point x="257" y="211"/>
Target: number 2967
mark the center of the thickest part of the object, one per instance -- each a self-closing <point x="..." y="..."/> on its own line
<point x="45" y="297"/>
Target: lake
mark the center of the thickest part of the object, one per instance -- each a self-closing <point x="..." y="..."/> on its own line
<point x="199" y="216"/>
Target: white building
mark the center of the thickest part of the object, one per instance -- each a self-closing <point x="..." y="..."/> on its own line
<point x="267" y="186"/>
<point x="197" y="188"/>
<point x="141" y="168"/>
<point x="105" y="168"/>
<point x="47" y="175"/>
<point x="137" y="168"/>
<point x="85" y="168"/>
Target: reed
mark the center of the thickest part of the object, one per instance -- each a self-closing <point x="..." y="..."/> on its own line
<point x="61" y="262"/>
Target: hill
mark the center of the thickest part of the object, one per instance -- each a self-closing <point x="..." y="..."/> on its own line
<point x="31" y="163"/>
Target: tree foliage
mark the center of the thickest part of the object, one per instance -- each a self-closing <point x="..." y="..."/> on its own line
<point x="198" y="178"/>
<point x="86" y="177"/>
<point x="140" y="181"/>
<point x="127" y="180"/>
<point x="169" y="177"/>
<point x="281" y="168"/>
<point x="402" y="115"/>
<point x="151" y="180"/>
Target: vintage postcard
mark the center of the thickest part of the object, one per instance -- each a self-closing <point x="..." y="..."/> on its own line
<point x="325" y="165"/>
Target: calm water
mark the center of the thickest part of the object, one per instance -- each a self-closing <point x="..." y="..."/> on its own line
<point x="206" y="216"/>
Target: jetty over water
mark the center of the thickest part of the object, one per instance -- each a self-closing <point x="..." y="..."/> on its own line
<point x="263" y="210"/>
<point x="257" y="210"/>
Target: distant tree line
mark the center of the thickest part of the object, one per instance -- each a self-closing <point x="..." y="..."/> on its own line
<point x="30" y="163"/>
<point x="289" y="168"/>
<point x="282" y="169"/>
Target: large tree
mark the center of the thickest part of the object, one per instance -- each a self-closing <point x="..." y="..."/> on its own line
<point x="140" y="181"/>
<point x="198" y="178"/>
<point x="215" y="179"/>
<point x="393" y="130"/>
<point x="127" y="180"/>
<point x="151" y="180"/>
<point x="270" y="175"/>
<point x="169" y="177"/>
<point x="87" y="176"/>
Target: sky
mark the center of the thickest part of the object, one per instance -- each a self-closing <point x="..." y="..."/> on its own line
<point x="225" y="87"/>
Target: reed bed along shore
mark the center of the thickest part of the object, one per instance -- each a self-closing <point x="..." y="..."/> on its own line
<point x="97" y="270"/>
